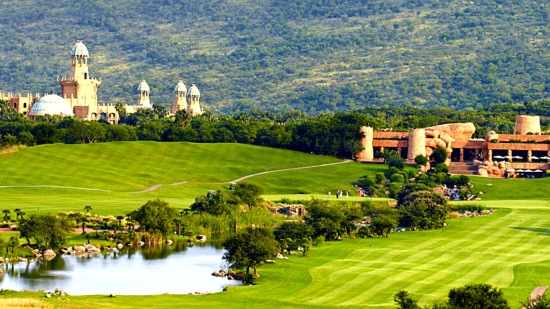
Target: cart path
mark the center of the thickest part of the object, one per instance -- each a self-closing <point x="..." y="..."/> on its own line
<point x="538" y="291"/>
<point x="288" y="169"/>
<point x="152" y="188"/>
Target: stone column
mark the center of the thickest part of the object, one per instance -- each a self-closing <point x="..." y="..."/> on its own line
<point x="527" y="124"/>
<point x="417" y="143"/>
<point x="367" y="154"/>
<point x="510" y="154"/>
<point x="490" y="155"/>
<point x="461" y="154"/>
<point x="399" y="150"/>
<point x="529" y="155"/>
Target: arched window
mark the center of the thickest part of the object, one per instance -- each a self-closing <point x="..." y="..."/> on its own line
<point x="103" y="116"/>
<point x="85" y="75"/>
<point x="112" y="115"/>
<point x="24" y="105"/>
<point x="94" y="115"/>
<point x="14" y="105"/>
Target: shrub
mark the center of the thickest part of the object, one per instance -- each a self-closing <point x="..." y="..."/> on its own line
<point x="441" y="168"/>
<point x="394" y="189"/>
<point x="421" y="160"/>
<point x="423" y="178"/>
<point x="477" y="296"/>
<point x="454" y="215"/>
<point x="319" y="241"/>
<point x="368" y="183"/>
<point x="379" y="177"/>
<point x="397" y="178"/>
<point x="439" y="155"/>
<point x="469" y="207"/>
<point x="494" y="140"/>
<point x="396" y="162"/>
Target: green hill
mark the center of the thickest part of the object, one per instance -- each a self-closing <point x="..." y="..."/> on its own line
<point x="310" y="55"/>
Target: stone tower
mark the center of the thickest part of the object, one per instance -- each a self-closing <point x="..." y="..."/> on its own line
<point x="527" y="124"/>
<point x="193" y="97"/>
<point x="79" y="89"/>
<point x="143" y="94"/>
<point x="180" y="102"/>
<point x="368" y="151"/>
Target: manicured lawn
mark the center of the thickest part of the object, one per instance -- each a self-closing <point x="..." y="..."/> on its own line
<point x="509" y="249"/>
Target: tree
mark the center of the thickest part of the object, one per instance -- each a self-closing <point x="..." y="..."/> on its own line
<point x="306" y="243"/>
<point x="215" y="203"/>
<point x="6" y="214"/>
<point x="249" y="193"/>
<point x="82" y="220"/>
<point x="155" y="217"/>
<point x="120" y="218"/>
<point x="45" y="229"/>
<point x="426" y="209"/>
<point x="88" y="208"/>
<point x="17" y="211"/>
<point x="249" y="246"/>
<point x="383" y="220"/>
<point x="439" y="155"/>
<point x="477" y="296"/>
<point x="326" y="221"/>
<point x="293" y="230"/>
<point x="396" y="162"/>
<point x="13" y="243"/>
<point x="404" y="301"/>
<point x="96" y="228"/>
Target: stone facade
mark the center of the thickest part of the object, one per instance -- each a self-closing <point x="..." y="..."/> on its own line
<point x="367" y="153"/>
<point x="417" y="143"/>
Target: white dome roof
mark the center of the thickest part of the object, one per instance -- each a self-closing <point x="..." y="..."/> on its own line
<point x="193" y="91"/>
<point x="180" y="87"/>
<point x="80" y="49"/>
<point x="51" y="104"/>
<point x="143" y="86"/>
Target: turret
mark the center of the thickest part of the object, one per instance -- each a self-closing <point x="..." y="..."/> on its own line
<point x="180" y="102"/>
<point x="193" y="98"/>
<point x="79" y="68"/>
<point x="143" y="94"/>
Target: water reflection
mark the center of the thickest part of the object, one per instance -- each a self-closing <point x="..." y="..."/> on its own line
<point x="175" y="269"/>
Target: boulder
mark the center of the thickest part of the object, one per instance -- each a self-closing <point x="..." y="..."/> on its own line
<point x="440" y="143"/>
<point x="48" y="296"/>
<point x="432" y="133"/>
<point x="482" y="172"/>
<point x="446" y="138"/>
<point x="119" y="246"/>
<point x="49" y="253"/>
<point x="460" y="132"/>
<point x="255" y="276"/>
<point x="270" y="261"/>
<point x="431" y="143"/>
<point x="279" y="256"/>
<point x="232" y="274"/>
<point x="79" y="248"/>
<point x="169" y="242"/>
<point x="429" y="151"/>
<point x="201" y="237"/>
<point x="491" y="135"/>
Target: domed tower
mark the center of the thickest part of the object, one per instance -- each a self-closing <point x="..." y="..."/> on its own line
<point x="193" y="97"/>
<point x="79" y="89"/>
<point x="179" y="102"/>
<point x="143" y="94"/>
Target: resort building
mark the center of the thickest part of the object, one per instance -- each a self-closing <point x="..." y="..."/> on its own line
<point x="498" y="155"/>
<point x="79" y="91"/>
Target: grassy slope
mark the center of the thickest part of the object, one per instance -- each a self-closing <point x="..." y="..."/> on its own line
<point x="508" y="249"/>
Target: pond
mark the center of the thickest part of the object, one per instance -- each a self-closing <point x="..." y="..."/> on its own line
<point x="175" y="269"/>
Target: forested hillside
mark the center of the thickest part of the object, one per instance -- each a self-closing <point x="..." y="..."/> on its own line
<point x="278" y="55"/>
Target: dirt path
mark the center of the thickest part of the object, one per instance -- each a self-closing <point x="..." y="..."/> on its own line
<point x="288" y="169"/>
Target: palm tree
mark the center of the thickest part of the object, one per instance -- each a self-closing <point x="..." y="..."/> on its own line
<point x="17" y="211"/>
<point x="178" y="221"/>
<point x="13" y="243"/>
<point x="82" y="220"/>
<point x="6" y="214"/>
<point x="120" y="218"/>
<point x="96" y="228"/>
<point x="88" y="208"/>
<point x="105" y="221"/>
<point x="21" y="214"/>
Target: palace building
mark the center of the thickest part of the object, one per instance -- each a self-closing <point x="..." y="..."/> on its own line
<point x="79" y="96"/>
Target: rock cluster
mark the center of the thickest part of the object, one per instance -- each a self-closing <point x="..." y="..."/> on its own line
<point x="78" y="250"/>
<point x="290" y="210"/>
<point x="492" y="168"/>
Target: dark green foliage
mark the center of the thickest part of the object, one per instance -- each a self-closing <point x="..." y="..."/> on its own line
<point x="397" y="178"/>
<point x="423" y="209"/>
<point x="396" y="162"/>
<point x="404" y="301"/>
<point x="216" y="203"/>
<point x="368" y="183"/>
<point x="474" y="296"/>
<point x="250" y="246"/>
<point x="439" y="155"/>
<point x="156" y="217"/>
<point x="47" y="230"/>
<point x="249" y="193"/>
<point x="441" y="168"/>
<point x="293" y="230"/>
<point x="409" y="189"/>
<point x="327" y="221"/>
<point x="380" y="177"/>
<point x="383" y="220"/>
<point x="421" y="160"/>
